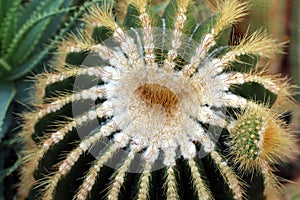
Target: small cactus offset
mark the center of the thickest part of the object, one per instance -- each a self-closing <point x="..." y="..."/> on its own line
<point x="157" y="106"/>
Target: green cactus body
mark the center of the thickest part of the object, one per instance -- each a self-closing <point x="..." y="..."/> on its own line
<point x="156" y="107"/>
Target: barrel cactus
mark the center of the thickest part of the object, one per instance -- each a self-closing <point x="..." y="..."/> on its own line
<point x="157" y="106"/>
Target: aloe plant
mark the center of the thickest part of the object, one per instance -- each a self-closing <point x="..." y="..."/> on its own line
<point x="159" y="104"/>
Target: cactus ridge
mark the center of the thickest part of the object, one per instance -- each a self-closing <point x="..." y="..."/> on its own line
<point x="156" y="104"/>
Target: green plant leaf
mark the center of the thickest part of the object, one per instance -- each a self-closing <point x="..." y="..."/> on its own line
<point x="19" y="38"/>
<point x="5" y="5"/>
<point x="55" y="23"/>
<point x="31" y="8"/>
<point x="46" y="29"/>
<point x="7" y="93"/>
<point x="28" y="65"/>
<point x="36" y="59"/>
<point x="8" y="26"/>
<point x="4" y="65"/>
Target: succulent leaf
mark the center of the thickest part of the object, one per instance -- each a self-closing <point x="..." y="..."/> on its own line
<point x="9" y="25"/>
<point x="7" y="92"/>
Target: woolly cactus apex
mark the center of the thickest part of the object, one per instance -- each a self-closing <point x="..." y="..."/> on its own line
<point x="148" y="108"/>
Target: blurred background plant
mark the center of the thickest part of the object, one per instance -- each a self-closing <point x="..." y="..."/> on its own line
<point x="29" y="30"/>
